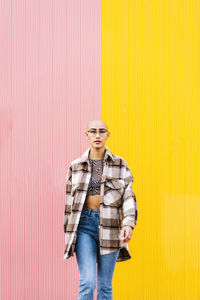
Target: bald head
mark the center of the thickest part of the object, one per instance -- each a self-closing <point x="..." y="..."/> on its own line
<point x="97" y="123"/>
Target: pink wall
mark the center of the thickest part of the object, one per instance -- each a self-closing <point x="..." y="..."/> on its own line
<point x="50" y="87"/>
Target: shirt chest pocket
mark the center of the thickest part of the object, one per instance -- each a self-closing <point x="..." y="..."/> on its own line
<point x="74" y="189"/>
<point x="113" y="192"/>
<point x="73" y="193"/>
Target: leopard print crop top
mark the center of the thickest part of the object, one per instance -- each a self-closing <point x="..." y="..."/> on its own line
<point x="95" y="180"/>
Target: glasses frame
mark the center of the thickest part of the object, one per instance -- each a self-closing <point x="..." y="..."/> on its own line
<point x="97" y="131"/>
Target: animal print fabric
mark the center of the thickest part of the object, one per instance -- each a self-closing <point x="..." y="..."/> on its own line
<point x="95" y="180"/>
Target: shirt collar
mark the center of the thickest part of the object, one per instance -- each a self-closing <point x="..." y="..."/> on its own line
<point x="85" y="156"/>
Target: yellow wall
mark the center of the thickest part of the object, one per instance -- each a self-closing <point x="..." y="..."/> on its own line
<point x="150" y="100"/>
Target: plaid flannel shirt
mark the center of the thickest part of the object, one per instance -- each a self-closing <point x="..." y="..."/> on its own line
<point x="118" y="205"/>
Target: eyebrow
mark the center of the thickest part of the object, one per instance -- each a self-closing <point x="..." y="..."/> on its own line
<point x="99" y="128"/>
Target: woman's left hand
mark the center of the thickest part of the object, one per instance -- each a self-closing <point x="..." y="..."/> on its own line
<point x="128" y="231"/>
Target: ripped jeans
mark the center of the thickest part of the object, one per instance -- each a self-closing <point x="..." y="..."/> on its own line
<point x="91" y="264"/>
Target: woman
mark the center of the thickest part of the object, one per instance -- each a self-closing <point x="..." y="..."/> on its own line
<point x="100" y="213"/>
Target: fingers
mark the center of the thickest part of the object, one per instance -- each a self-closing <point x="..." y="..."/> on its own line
<point x="128" y="234"/>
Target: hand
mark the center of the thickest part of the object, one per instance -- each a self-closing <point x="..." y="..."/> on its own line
<point x="128" y="230"/>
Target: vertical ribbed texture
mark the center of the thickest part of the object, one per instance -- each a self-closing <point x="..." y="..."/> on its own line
<point x="50" y="87"/>
<point x="150" y="100"/>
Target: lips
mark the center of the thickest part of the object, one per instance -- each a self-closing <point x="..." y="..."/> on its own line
<point x="97" y="141"/>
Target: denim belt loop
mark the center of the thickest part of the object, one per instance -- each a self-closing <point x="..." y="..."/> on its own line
<point x="90" y="211"/>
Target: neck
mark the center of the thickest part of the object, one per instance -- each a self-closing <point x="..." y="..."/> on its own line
<point x="95" y="153"/>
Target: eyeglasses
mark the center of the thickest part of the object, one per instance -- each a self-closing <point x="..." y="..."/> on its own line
<point x="94" y="132"/>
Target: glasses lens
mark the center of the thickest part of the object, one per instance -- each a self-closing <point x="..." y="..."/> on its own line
<point x="94" y="132"/>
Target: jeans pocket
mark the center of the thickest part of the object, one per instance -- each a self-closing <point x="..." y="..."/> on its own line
<point x="83" y="218"/>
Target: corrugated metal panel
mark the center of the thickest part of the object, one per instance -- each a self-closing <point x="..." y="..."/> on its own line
<point x="150" y="100"/>
<point x="50" y="83"/>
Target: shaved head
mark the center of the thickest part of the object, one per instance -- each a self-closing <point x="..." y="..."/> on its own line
<point x="95" y="127"/>
<point x="97" y="124"/>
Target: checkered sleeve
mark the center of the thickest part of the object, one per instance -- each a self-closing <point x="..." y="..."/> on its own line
<point x="67" y="210"/>
<point x="129" y="205"/>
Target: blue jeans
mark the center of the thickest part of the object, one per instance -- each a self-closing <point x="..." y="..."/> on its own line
<point x="88" y="254"/>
